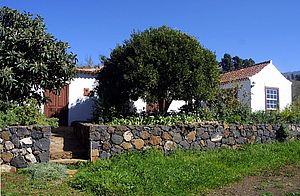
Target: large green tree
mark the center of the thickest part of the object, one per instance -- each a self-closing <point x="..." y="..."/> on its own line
<point x="158" y="65"/>
<point x="30" y="58"/>
<point x="229" y="63"/>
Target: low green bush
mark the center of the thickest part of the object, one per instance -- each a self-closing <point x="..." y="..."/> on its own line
<point x="27" y="113"/>
<point x="151" y="172"/>
<point x="45" y="171"/>
<point x="232" y="112"/>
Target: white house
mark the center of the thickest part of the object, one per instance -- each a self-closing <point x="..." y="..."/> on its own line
<point x="262" y="86"/>
<point x="76" y="100"/>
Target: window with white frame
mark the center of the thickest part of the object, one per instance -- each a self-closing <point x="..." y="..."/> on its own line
<point x="272" y="99"/>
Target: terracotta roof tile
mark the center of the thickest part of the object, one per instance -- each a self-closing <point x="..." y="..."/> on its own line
<point x="244" y="73"/>
<point x="85" y="70"/>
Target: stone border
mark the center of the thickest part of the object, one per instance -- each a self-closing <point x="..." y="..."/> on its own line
<point x="20" y="145"/>
<point x="104" y="141"/>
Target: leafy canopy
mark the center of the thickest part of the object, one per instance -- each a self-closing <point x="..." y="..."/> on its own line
<point x="229" y="63"/>
<point x="30" y="58"/>
<point x="158" y="65"/>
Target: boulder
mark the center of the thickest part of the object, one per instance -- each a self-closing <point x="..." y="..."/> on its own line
<point x="30" y="158"/>
<point x="127" y="136"/>
<point x="116" y="139"/>
<point x="26" y="141"/>
<point x="169" y="145"/>
<point x="7" y="156"/>
<point x="138" y="143"/>
<point x="7" y="169"/>
<point x="9" y="145"/>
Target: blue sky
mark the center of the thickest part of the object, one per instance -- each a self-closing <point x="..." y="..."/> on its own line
<point x="258" y="29"/>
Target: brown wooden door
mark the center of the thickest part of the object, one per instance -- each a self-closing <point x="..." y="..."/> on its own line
<point x="58" y="105"/>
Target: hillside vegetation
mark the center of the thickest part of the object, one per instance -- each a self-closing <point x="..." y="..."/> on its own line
<point x="296" y="90"/>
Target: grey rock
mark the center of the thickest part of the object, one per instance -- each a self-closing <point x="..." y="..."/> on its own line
<point x="177" y="137"/>
<point x="94" y="136"/>
<point x="260" y="132"/>
<point x="195" y="145"/>
<point x="236" y="133"/>
<point x="104" y="135"/>
<point x="266" y="133"/>
<point x="224" y="140"/>
<point x="9" y="145"/>
<point x="22" y="132"/>
<point x="156" y="131"/>
<point x="1" y="140"/>
<point x="116" y="139"/>
<point x="15" y="140"/>
<point x="205" y="136"/>
<point x="199" y="132"/>
<point x="258" y="140"/>
<point x="44" y="156"/>
<point x="210" y="144"/>
<point x="184" y="144"/>
<point x="12" y="130"/>
<point x="116" y="149"/>
<point x="105" y="155"/>
<point x="231" y="141"/>
<point x="19" y="162"/>
<point x="47" y="134"/>
<point x="95" y="145"/>
<point x="241" y="140"/>
<point x="36" y="134"/>
<point x="232" y="128"/>
<point x="42" y="144"/>
<point x="164" y="128"/>
<point x="30" y="158"/>
<point x="216" y="137"/>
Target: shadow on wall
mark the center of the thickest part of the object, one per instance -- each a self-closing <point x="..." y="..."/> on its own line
<point x="82" y="110"/>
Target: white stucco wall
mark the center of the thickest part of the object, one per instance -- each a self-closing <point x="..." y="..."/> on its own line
<point x="80" y="106"/>
<point x="140" y="105"/>
<point x="244" y="93"/>
<point x="269" y="76"/>
<point x="174" y="107"/>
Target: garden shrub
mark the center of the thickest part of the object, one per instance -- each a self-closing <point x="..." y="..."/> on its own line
<point x="45" y="171"/>
<point x="27" y="113"/>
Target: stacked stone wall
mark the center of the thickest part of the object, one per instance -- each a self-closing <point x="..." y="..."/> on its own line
<point x="21" y="145"/>
<point x="105" y="141"/>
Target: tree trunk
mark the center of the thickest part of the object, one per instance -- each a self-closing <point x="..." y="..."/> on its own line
<point x="163" y="105"/>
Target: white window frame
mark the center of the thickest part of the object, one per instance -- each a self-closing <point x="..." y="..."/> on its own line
<point x="272" y="98"/>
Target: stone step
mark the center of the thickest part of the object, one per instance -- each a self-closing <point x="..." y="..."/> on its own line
<point x="60" y="155"/>
<point x="68" y="161"/>
<point x="68" y="154"/>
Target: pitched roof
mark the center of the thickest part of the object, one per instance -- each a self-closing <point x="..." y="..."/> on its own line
<point x="244" y="73"/>
<point x="86" y="70"/>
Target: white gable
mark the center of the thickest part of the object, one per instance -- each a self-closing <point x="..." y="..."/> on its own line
<point x="269" y="77"/>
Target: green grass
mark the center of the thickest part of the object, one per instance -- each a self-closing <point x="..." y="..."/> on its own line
<point x="21" y="184"/>
<point x="181" y="173"/>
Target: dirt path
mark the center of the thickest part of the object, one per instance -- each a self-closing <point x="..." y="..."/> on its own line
<point x="281" y="182"/>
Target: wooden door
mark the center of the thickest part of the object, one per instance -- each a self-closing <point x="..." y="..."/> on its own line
<point x="58" y="105"/>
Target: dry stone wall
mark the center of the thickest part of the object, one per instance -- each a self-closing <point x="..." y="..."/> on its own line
<point x="105" y="141"/>
<point x="20" y="145"/>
